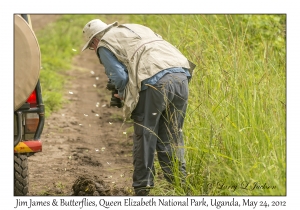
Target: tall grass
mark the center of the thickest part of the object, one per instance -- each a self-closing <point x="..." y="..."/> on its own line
<point x="235" y="129"/>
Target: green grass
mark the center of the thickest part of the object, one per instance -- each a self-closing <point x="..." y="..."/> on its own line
<point x="235" y="128"/>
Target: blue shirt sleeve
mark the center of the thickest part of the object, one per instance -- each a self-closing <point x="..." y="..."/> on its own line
<point x="114" y="69"/>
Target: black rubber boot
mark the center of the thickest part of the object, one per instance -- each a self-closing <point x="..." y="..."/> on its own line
<point x="141" y="191"/>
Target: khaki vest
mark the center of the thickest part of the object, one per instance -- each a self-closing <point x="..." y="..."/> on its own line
<point x="144" y="53"/>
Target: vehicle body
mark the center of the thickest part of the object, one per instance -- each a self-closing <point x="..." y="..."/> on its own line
<point x="28" y="104"/>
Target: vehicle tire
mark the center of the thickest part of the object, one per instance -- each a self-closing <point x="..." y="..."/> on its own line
<point x="20" y="175"/>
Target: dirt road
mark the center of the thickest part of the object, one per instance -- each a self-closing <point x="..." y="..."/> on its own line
<point x="85" y="137"/>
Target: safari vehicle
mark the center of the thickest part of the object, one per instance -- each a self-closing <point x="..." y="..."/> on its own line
<point x="28" y="104"/>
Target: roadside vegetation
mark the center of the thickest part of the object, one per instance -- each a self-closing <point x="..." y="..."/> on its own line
<point x="235" y="128"/>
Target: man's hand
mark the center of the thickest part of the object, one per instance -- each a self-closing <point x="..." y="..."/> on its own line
<point x="117" y="96"/>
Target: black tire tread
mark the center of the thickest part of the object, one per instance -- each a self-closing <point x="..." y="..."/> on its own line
<point x="20" y="175"/>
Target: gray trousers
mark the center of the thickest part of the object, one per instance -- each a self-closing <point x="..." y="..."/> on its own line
<point x="158" y="121"/>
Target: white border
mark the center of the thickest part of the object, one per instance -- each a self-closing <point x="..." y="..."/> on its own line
<point x="153" y="6"/>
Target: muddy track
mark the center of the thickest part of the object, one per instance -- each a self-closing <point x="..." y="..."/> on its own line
<point x="86" y="138"/>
